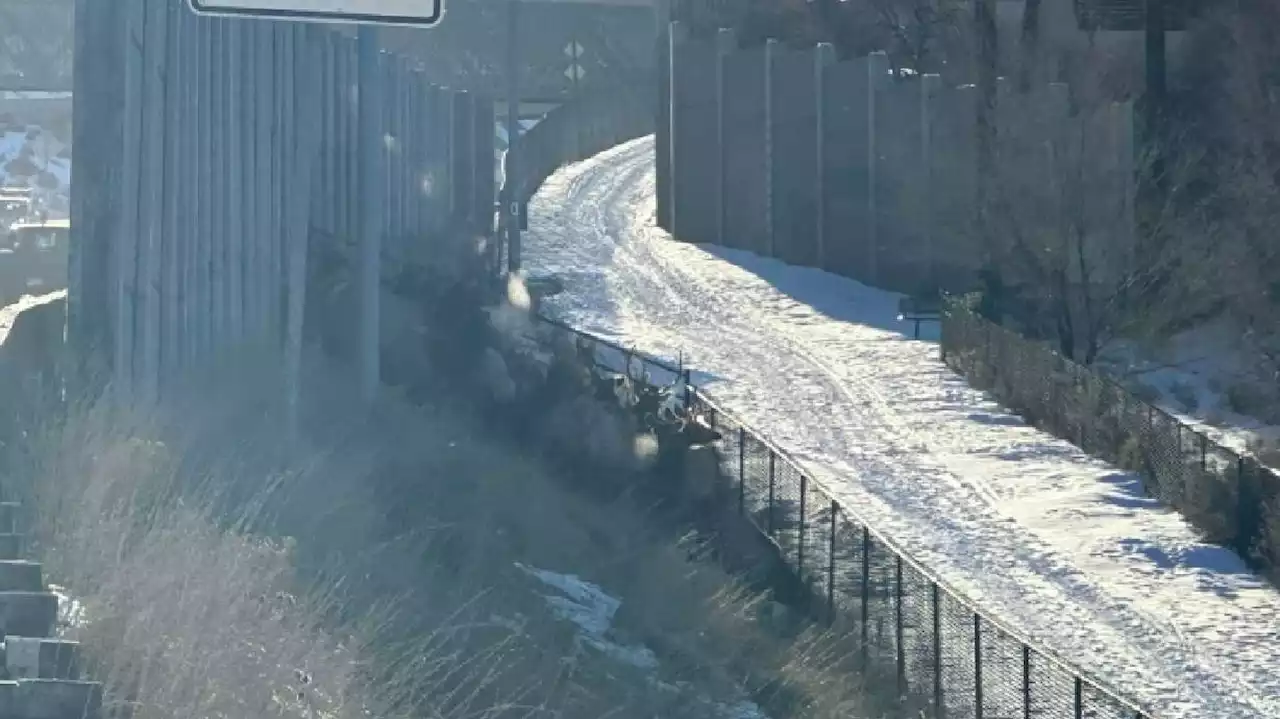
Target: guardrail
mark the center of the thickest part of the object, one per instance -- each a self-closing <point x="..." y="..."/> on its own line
<point x="945" y="653"/>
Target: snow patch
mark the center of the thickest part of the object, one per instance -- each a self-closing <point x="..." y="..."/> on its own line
<point x="592" y="610"/>
<point x="587" y="606"/>
<point x="1191" y="376"/>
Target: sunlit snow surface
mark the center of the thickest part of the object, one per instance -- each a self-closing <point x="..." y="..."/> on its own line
<point x="1059" y="545"/>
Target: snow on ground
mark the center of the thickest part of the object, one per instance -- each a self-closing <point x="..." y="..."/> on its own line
<point x="1193" y="376"/>
<point x="591" y="610"/>
<point x="1062" y="547"/>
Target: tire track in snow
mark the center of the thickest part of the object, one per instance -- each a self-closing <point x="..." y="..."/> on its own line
<point x="592" y="224"/>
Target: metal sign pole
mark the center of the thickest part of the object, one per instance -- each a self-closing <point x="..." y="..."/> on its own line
<point x="575" y="73"/>
<point x="514" y="195"/>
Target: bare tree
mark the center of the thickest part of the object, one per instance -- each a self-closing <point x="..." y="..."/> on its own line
<point x="1061" y="233"/>
<point x="915" y="31"/>
<point x="1233" y="108"/>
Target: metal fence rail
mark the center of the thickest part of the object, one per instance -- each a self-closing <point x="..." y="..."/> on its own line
<point x="1233" y="499"/>
<point x="207" y="152"/>
<point x="947" y="657"/>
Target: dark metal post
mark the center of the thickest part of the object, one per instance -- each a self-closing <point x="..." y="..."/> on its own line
<point x="1026" y="682"/>
<point x="1246" y="511"/>
<point x="804" y="490"/>
<point x="831" y="565"/>
<point x="977" y="666"/>
<point x="866" y="591"/>
<point x="898" y="630"/>
<point x="512" y="200"/>
<point x="742" y="471"/>
<point x="1153" y="99"/>
<point x="1078" y="699"/>
<point x="769" y="521"/>
<point x="939" y="706"/>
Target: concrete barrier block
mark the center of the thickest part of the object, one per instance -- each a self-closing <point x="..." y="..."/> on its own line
<point x="17" y="575"/>
<point x="57" y="699"/>
<point x="42" y="658"/>
<point x="28" y="614"/>
<point x="10" y="546"/>
<point x="8" y="698"/>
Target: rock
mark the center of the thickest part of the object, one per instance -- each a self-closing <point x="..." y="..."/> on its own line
<point x="701" y="471"/>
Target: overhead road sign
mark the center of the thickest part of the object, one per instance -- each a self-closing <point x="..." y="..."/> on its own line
<point x="603" y="3"/>
<point x="411" y="13"/>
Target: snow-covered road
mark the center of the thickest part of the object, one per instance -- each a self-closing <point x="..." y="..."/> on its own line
<point x="1062" y="547"/>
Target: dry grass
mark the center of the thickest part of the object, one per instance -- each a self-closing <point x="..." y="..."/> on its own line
<point x="369" y="568"/>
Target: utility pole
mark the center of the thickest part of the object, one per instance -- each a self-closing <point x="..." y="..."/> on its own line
<point x="1153" y="100"/>
<point x="984" y="19"/>
<point x="575" y="73"/>
<point x="513" y="198"/>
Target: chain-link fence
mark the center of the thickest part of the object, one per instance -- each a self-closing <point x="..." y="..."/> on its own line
<point x="1234" y="500"/>
<point x="946" y="657"/>
<point x="614" y="357"/>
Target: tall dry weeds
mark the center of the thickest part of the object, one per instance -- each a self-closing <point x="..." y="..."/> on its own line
<point x="371" y="567"/>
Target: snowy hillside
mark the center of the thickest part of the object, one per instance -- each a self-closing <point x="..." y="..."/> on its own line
<point x="1214" y="379"/>
<point x="1061" y="546"/>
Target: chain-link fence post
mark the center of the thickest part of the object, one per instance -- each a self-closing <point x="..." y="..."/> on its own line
<point x="935" y="608"/>
<point x="769" y="517"/>
<point x="831" y="564"/>
<point x="1077" y="699"/>
<point x="804" y="490"/>
<point x="742" y="471"/>
<point x="1026" y="682"/>
<point x="865" y="612"/>
<point x="977" y="666"/>
<point x="898" y="630"/>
